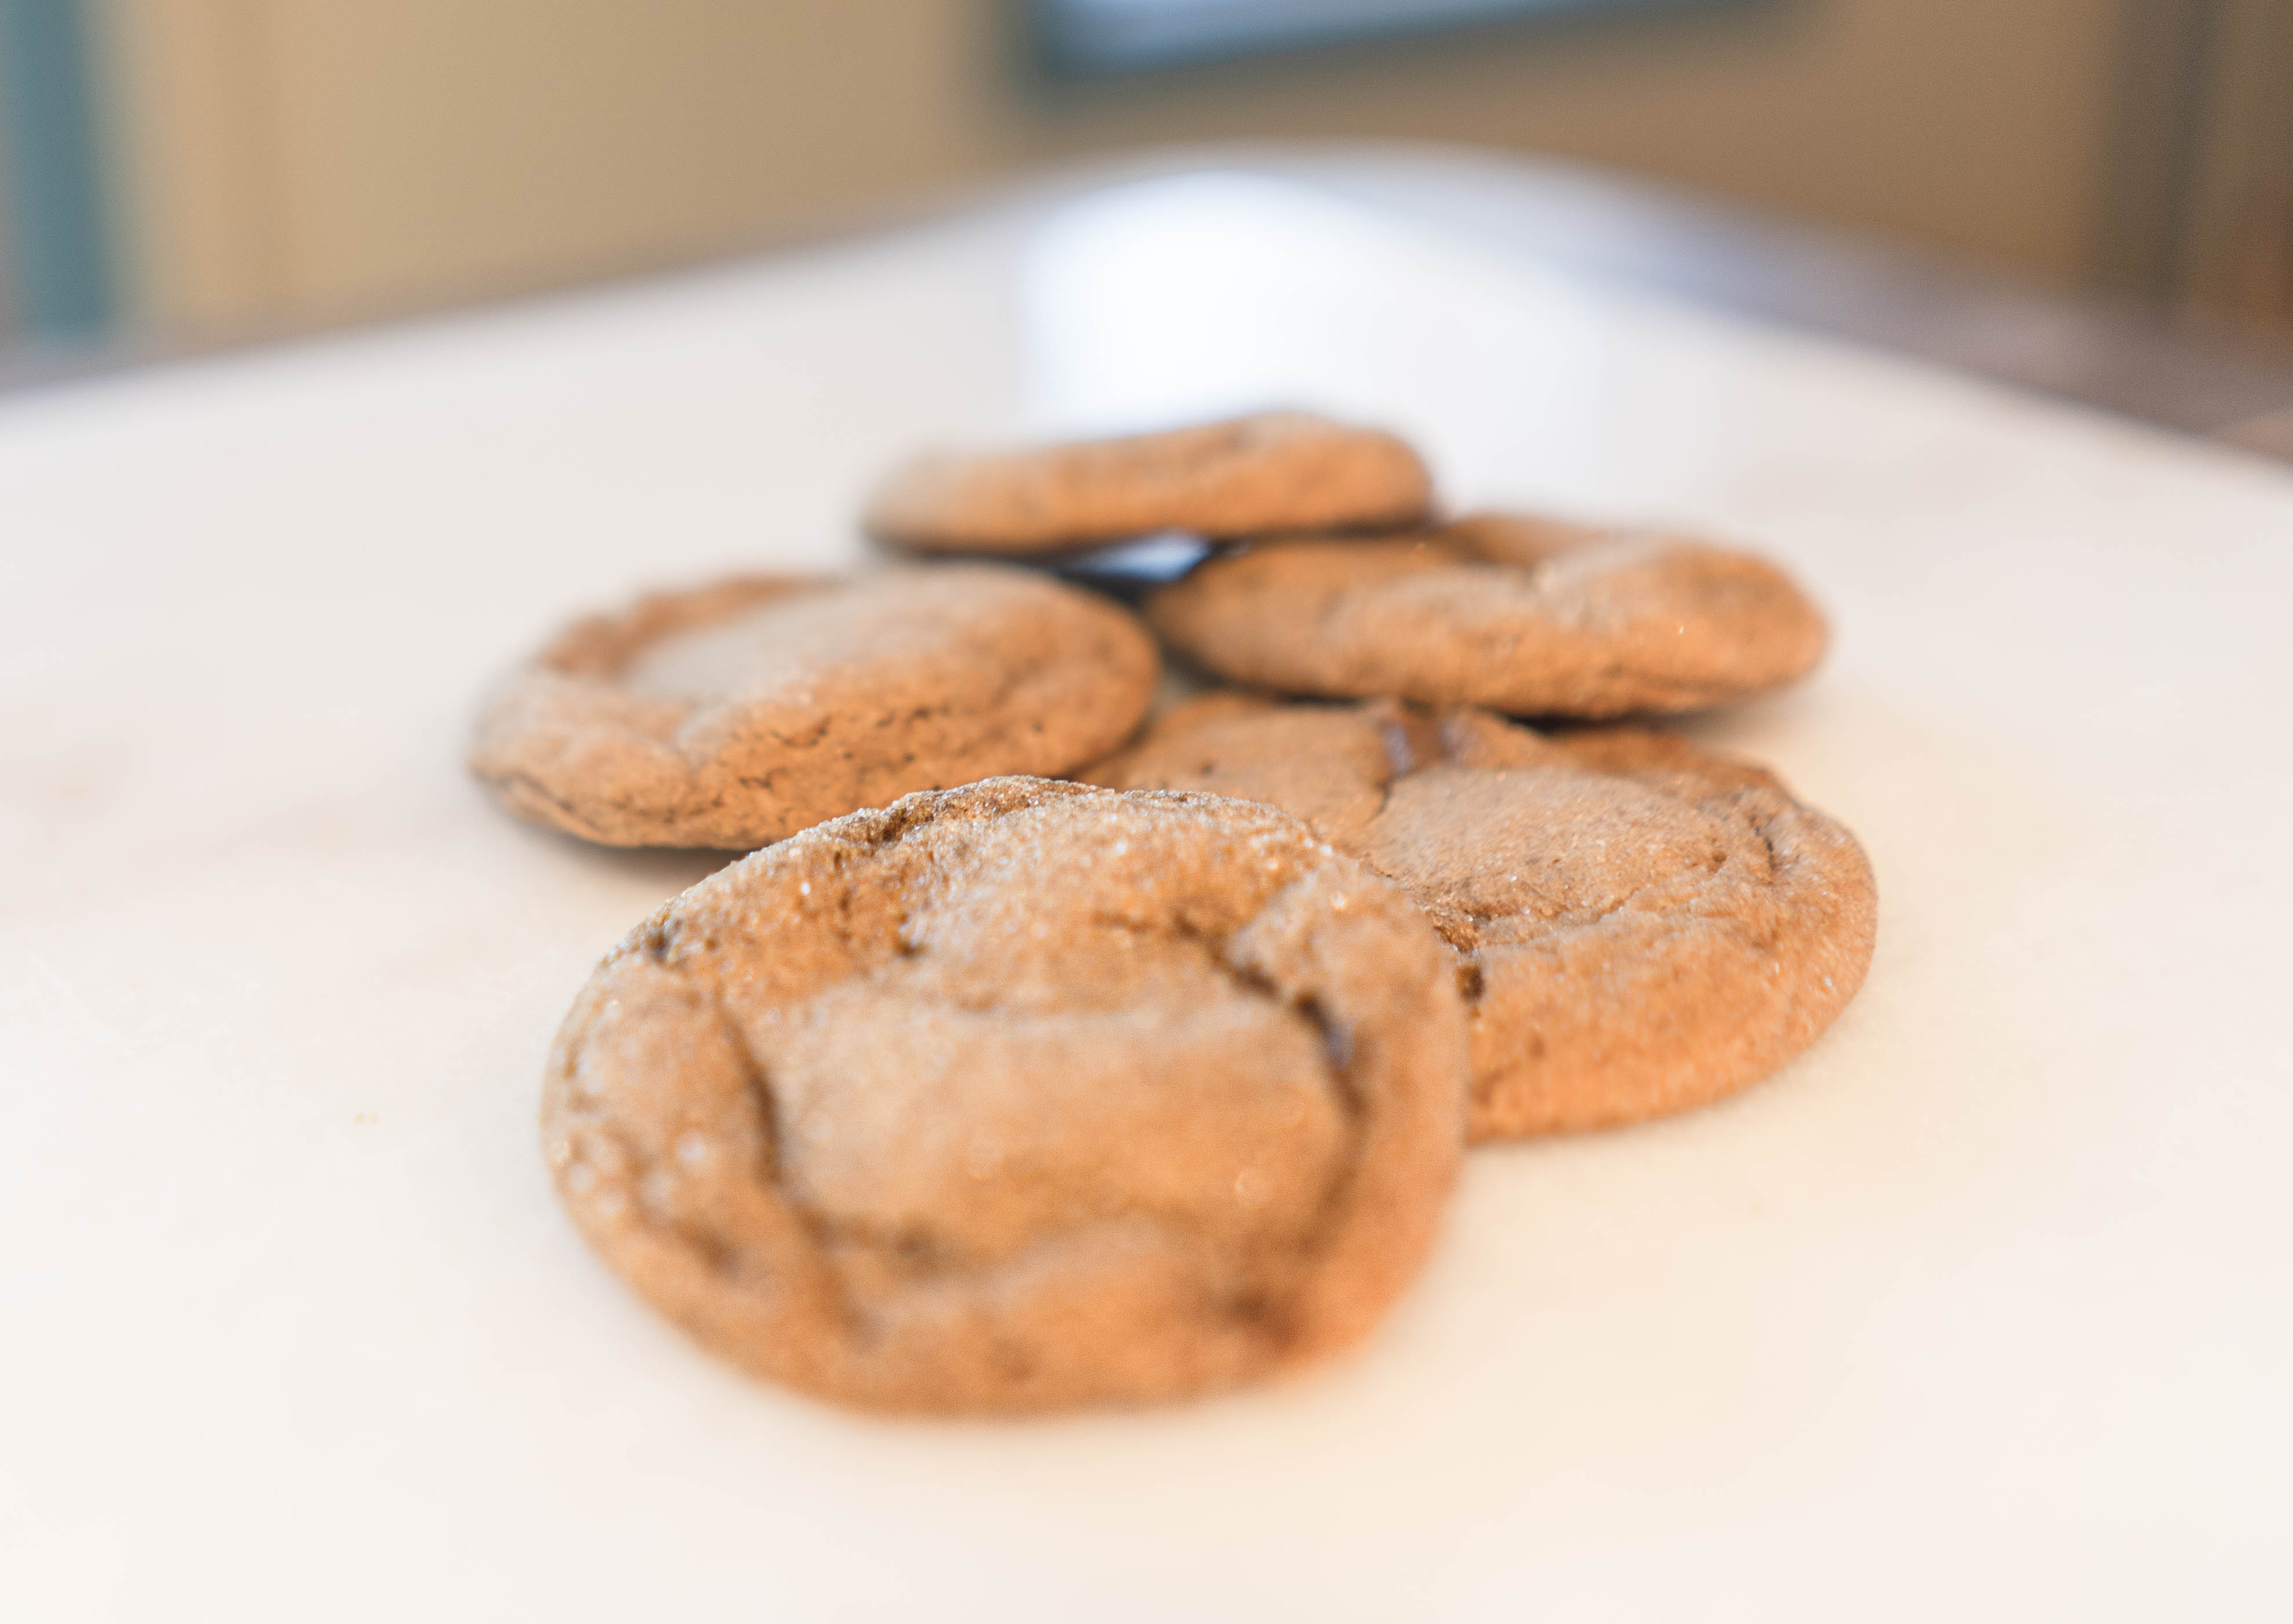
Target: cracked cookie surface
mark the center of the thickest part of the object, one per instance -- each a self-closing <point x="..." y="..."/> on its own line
<point x="1247" y="476"/>
<point x="1640" y="927"/>
<point x="739" y="713"/>
<point x="1018" y="1096"/>
<point x="1531" y="617"/>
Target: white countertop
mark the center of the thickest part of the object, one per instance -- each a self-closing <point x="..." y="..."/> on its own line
<point x="1980" y="1309"/>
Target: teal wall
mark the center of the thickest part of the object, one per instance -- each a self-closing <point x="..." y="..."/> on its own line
<point x="60" y="277"/>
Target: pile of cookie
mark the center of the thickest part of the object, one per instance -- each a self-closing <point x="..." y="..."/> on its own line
<point x="1043" y="1053"/>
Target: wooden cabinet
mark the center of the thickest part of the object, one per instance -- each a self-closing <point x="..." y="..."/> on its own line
<point x="285" y="162"/>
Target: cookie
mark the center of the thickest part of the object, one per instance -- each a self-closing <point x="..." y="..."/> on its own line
<point x="742" y="712"/>
<point x="1249" y="476"/>
<point x="1639" y="926"/>
<point x="1530" y="616"/>
<point x="1019" y="1096"/>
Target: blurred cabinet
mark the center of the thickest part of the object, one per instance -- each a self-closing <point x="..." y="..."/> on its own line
<point x="302" y="160"/>
<point x="291" y="161"/>
<point x="2200" y="198"/>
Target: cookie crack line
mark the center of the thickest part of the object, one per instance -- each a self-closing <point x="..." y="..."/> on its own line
<point x="884" y="684"/>
<point x="940" y="1260"/>
<point x="690" y="809"/>
<point x="1260" y="1312"/>
<point x="717" y="1252"/>
<point x="574" y="820"/>
<point x="1442" y="616"/>
<point x="1015" y="675"/>
<point x="1758" y="823"/>
<point x="1440" y="917"/>
<point x="1338" y="1056"/>
<point x="1265" y="987"/>
<point x="1703" y="893"/>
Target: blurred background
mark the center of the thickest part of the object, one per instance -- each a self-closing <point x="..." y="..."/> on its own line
<point x="187" y="171"/>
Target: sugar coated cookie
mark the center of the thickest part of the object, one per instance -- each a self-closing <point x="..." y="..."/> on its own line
<point x="1278" y="470"/>
<point x="1018" y="1096"/>
<point x="1640" y="927"/>
<point x="1530" y="616"/>
<point x="742" y="712"/>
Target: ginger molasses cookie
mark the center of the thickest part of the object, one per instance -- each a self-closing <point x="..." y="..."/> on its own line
<point x="1277" y="471"/>
<point x="1640" y="927"/>
<point x="740" y="713"/>
<point x="1531" y="617"/>
<point x="1018" y="1096"/>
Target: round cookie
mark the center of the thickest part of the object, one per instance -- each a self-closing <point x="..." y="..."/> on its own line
<point x="1640" y="927"/>
<point x="1018" y="1096"/>
<point x="740" y="713"/>
<point x="1531" y="617"/>
<point x="1249" y="476"/>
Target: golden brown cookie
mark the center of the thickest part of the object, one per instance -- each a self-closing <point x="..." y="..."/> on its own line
<point x="1015" y="1097"/>
<point x="1249" y="476"/>
<point x="1530" y="616"/>
<point x="1640" y="927"/>
<point x="740" y="713"/>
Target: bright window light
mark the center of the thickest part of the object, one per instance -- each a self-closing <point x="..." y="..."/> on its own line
<point x="1118" y="36"/>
